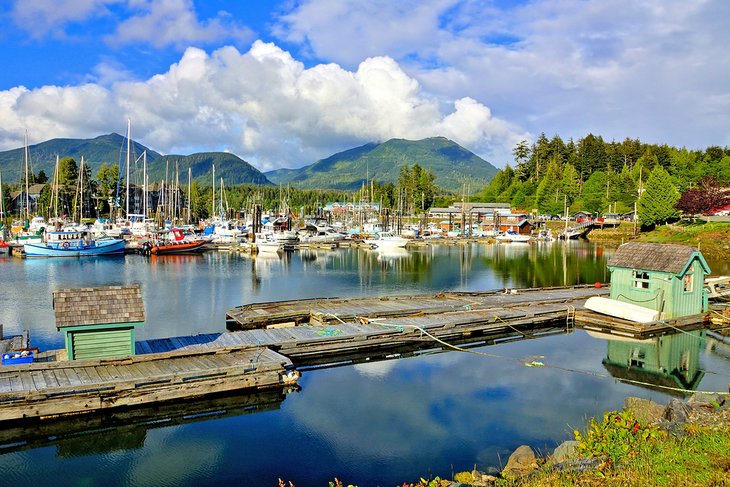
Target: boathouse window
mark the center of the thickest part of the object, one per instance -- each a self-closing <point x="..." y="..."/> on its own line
<point x="637" y="359"/>
<point x="641" y="279"/>
<point x="687" y="282"/>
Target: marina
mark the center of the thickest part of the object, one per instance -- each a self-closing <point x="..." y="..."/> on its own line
<point x="384" y="334"/>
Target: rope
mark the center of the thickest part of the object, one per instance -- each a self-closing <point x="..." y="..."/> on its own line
<point x="533" y="363"/>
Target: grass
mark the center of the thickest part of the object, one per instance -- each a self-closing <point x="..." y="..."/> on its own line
<point x="700" y="456"/>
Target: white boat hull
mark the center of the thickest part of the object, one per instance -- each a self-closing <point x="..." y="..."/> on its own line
<point x="619" y="309"/>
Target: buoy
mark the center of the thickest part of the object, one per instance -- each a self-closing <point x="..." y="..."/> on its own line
<point x="598" y="285"/>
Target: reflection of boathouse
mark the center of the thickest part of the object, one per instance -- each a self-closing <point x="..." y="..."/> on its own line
<point x="669" y="363"/>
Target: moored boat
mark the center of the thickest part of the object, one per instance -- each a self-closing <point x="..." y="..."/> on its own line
<point x="73" y="244"/>
<point x="178" y="244"/>
<point x="386" y="240"/>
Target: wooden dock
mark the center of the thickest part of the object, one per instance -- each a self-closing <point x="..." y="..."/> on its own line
<point x="334" y="310"/>
<point x="268" y="340"/>
<point x="52" y="389"/>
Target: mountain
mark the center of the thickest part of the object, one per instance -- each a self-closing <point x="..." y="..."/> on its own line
<point x="111" y="149"/>
<point x="230" y="167"/>
<point x="452" y="165"/>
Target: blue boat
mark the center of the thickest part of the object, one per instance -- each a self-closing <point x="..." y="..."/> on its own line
<point x="73" y="244"/>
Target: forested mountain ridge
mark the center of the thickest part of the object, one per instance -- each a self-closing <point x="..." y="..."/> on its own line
<point x="594" y="175"/>
<point x="110" y="150"/>
<point x="452" y="166"/>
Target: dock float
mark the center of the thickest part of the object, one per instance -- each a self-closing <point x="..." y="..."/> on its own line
<point x="53" y="389"/>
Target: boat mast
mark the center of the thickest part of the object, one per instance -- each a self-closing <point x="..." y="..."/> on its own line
<point x="144" y="184"/>
<point x="212" y="209"/>
<point x="177" y="191"/>
<point x="55" y="190"/>
<point x="26" y="157"/>
<point x="129" y="148"/>
<point x="190" y="176"/>
<point x="2" y="202"/>
<point x="81" y="185"/>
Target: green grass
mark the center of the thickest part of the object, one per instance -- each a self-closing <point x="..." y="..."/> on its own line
<point x="700" y="456"/>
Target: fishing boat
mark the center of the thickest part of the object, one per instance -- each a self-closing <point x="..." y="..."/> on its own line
<point x="265" y="242"/>
<point x="73" y="244"/>
<point x="178" y="244"/>
<point x="4" y="247"/>
<point x="386" y="240"/>
<point x="512" y="236"/>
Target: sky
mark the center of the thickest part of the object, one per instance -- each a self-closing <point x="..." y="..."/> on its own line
<point x="283" y="84"/>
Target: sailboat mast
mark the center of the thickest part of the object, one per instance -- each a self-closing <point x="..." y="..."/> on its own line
<point x="2" y="201"/>
<point x="212" y="209"/>
<point x="55" y="190"/>
<point x="190" y="177"/>
<point x="26" y="157"/>
<point x="144" y="183"/>
<point x="81" y="185"/>
<point x="129" y="152"/>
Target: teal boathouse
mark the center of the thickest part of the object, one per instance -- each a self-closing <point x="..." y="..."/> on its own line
<point x="663" y="277"/>
<point x="99" y="322"/>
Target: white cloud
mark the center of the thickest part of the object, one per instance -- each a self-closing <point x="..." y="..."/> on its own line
<point x="174" y="22"/>
<point x="159" y="23"/>
<point x="41" y="17"/>
<point x="263" y="105"/>
<point x="567" y="67"/>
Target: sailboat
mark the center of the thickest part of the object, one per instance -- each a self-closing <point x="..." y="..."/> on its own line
<point x="28" y="229"/>
<point x="4" y="247"/>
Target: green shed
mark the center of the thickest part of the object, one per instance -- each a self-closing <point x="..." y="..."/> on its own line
<point x="664" y="277"/>
<point x="99" y="322"/>
<point x="670" y="363"/>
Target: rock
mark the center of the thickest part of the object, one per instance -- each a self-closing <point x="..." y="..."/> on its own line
<point x="564" y="451"/>
<point x="521" y="463"/>
<point x="702" y="398"/>
<point x="676" y="411"/>
<point x="645" y="411"/>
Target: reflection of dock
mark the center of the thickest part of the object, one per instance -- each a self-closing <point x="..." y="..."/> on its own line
<point x="50" y="389"/>
<point x="122" y="430"/>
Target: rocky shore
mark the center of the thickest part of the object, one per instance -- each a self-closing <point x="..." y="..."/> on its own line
<point x="702" y="410"/>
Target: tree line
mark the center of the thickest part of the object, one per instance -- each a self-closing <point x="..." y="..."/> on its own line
<point x="596" y="176"/>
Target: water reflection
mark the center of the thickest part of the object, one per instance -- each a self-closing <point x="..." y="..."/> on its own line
<point x="127" y="429"/>
<point x="669" y="364"/>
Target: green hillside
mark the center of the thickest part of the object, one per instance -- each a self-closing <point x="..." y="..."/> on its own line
<point x="111" y="149"/>
<point x="108" y="149"/>
<point x="230" y="167"/>
<point x="452" y="165"/>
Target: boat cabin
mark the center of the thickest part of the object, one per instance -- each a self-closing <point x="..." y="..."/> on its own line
<point x="99" y="322"/>
<point x="666" y="278"/>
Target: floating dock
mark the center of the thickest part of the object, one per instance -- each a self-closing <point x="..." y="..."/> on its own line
<point x="268" y="341"/>
<point x="53" y="389"/>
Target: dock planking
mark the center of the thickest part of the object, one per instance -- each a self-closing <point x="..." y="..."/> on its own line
<point x="52" y="389"/>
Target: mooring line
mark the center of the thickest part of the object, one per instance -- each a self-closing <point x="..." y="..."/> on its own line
<point x="378" y="321"/>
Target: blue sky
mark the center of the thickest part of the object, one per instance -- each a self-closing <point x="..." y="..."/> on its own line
<point x="282" y="84"/>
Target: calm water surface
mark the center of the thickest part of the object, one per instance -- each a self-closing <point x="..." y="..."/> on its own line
<point x="376" y="423"/>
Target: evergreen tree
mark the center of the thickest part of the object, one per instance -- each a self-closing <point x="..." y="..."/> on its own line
<point x="549" y="197"/>
<point x="657" y="202"/>
<point x="570" y="183"/>
<point x="593" y="197"/>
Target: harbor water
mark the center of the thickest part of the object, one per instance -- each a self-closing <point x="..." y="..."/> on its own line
<point x="376" y="423"/>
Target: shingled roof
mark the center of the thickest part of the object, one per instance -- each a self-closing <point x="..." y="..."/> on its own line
<point x="652" y="257"/>
<point x="101" y="305"/>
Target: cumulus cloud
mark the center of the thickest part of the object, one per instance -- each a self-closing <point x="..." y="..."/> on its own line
<point x="566" y="67"/>
<point x="41" y="17"/>
<point x="263" y="105"/>
<point x="174" y="22"/>
<point x="159" y="23"/>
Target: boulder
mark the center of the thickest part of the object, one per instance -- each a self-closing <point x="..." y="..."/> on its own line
<point x="565" y="451"/>
<point x="676" y="411"/>
<point x="702" y="398"/>
<point x="521" y="463"/>
<point x="645" y="411"/>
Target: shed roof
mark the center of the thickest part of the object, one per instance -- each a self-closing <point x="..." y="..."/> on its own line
<point x="100" y="305"/>
<point x="654" y="257"/>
